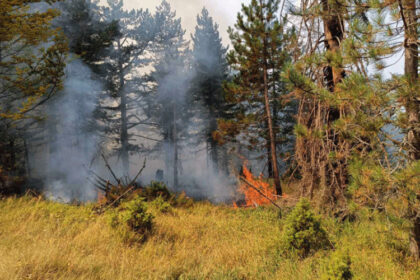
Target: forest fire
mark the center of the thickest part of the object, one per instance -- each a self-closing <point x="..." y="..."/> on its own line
<point x="256" y="191"/>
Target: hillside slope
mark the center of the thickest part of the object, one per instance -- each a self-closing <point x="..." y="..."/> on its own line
<point x="47" y="240"/>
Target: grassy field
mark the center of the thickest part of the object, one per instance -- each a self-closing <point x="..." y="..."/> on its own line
<point x="47" y="240"/>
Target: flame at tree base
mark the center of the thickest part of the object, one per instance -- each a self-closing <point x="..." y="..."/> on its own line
<point x="260" y="194"/>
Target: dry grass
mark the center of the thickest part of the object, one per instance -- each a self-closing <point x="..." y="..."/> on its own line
<point x="46" y="240"/>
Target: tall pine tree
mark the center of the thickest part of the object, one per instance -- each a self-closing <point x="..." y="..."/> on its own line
<point x="255" y="62"/>
<point x="210" y="68"/>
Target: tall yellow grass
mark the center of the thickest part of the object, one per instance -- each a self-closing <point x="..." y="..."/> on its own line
<point x="47" y="240"/>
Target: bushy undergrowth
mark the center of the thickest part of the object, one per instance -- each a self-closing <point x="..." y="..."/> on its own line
<point x="135" y="216"/>
<point x="337" y="267"/>
<point x="161" y="205"/>
<point x="303" y="230"/>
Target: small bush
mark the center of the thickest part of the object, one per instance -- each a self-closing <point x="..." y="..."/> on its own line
<point x="338" y="267"/>
<point x="155" y="190"/>
<point x="161" y="205"/>
<point x="134" y="215"/>
<point x="303" y="230"/>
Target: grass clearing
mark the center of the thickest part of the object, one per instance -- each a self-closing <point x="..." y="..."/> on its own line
<point x="46" y="240"/>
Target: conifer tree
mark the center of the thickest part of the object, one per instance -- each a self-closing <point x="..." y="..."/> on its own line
<point x="137" y="30"/>
<point x="171" y="77"/>
<point x="409" y="17"/>
<point x="257" y="45"/>
<point x="32" y="61"/>
<point x="210" y="68"/>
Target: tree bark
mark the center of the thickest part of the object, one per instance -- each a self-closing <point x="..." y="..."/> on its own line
<point x="409" y="17"/>
<point x="273" y="152"/>
<point x="333" y="75"/>
<point x="408" y="12"/>
<point x="334" y="34"/>
<point x="269" y="159"/>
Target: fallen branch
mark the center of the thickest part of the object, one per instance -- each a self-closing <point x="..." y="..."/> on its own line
<point x="259" y="191"/>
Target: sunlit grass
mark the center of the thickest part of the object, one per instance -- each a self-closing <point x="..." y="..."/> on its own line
<point x="47" y="240"/>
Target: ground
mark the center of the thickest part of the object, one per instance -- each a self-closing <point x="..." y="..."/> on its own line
<point x="40" y="239"/>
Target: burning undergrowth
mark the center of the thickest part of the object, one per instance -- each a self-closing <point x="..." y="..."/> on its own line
<point x="256" y="190"/>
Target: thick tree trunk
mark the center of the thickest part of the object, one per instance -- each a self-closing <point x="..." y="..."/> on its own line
<point x="411" y="71"/>
<point x="408" y="14"/>
<point x="334" y="34"/>
<point x="333" y="74"/>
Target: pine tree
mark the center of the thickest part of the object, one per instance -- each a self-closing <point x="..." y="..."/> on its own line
<point x="257" y="47"/>
<point x="138" y="29"/>
<point x="32" y="61"/>
<point x="409" y="17"/>
<point x="210" y="67"/>
<point x="171" y="77"/>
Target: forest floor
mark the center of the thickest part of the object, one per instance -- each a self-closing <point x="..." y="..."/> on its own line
<point x="40" y="239"/>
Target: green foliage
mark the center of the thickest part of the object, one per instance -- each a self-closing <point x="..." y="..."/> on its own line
<point x="260" y="40"/>
<point x="303" y="230"/>
<point x="161" y="205"/>
<point x="337" y="267"/>
<point x="32" y="58"/>
<point x="379" y="187"/>
<point x="135" y="216"/>
<point x="370" y="183"/>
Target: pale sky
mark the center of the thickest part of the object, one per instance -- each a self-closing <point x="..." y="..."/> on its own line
<point x="223" y="12"/>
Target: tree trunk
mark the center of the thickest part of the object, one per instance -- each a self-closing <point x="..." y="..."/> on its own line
<point x="269" y="160"/>
<point x="411" y="71"/>
<point x="214" y="156"/>
<point x="334" y="34"/>
<point x="270" y="131"/>
<point x="175" y="142"/>
<point x="213" y="144"/>
<point x="273" y="152"/>
<point x="124" y="125"/>
<point x="27" y="162"/>
<point x="409" y="17"/>
<point x="335" y="176"/>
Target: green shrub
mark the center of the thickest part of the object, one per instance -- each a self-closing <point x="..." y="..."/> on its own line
<point x="155" y="190"/>
<point x="133" y="214"/>
<point x="338" y="267"/>
<point x="161" y="205"/>
<point x="303" y="230"/>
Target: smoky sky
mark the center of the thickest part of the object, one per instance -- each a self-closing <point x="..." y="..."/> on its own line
<point x="223" y="12"/>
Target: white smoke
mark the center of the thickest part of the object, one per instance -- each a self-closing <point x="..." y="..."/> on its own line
<point x="72" y="140"/>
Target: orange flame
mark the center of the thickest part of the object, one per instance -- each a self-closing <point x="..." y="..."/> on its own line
<point x="254" y="198"/>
